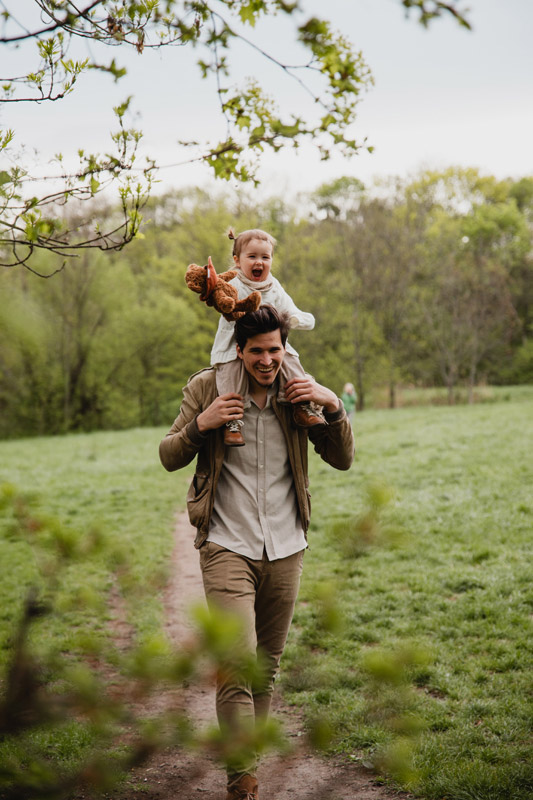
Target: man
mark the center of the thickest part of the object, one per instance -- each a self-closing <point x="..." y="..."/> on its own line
<point x="251" y="508"/>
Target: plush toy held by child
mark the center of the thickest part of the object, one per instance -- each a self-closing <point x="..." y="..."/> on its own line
<point x="216" y="291"/>
<point x="252" y="256"/>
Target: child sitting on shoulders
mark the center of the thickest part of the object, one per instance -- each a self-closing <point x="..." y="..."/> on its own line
<point x="252" y="255"/>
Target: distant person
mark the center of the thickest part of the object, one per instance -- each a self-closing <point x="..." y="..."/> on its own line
<point x="349" y="400"/>
<point x="253" y="251"/>
<point x="251" y="508"/>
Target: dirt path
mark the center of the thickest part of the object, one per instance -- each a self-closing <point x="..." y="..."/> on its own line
<point x="175" y="775"/>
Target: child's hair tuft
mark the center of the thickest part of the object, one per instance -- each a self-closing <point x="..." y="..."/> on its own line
<point x="243" y="238"/>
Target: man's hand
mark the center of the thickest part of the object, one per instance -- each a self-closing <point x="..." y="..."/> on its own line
<point x="223" y="409"/>
<point x="305" y="390"/>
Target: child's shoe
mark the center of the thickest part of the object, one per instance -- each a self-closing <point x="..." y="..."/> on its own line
<point x="306" y="415"/>
<point x="232" y="433"/>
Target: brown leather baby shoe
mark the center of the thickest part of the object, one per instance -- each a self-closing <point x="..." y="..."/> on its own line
<point x="245" y="788"/>
<point x="232" y="433"/>
<point x="305" y="416"/>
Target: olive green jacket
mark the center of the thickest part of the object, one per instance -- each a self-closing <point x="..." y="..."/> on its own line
<point x="334" y="442"/>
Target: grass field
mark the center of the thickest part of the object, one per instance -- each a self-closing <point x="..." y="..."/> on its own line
<point x="436" y="594"/>
<point x="412" y="639"/>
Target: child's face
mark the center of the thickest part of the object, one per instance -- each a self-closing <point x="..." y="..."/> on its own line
<point x="255" y="260"/>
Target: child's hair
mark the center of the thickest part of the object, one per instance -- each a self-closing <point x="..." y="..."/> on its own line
<point x="243" y="238"/>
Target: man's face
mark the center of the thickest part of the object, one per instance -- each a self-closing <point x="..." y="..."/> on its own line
<point x="262" y="357"/>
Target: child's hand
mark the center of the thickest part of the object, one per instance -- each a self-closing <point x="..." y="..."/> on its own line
<point x="223" y="409"/>
<point x="306" y="390"/>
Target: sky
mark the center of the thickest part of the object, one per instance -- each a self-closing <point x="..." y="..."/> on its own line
<point x="443" y="96"/>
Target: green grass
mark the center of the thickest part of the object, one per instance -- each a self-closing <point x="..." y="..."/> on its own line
<point x="109" y="482"/>
<point x="420" y="396"/>
<point x="105" y="487"/>
<point x="446" y="572"/>
<point x="414" y="626"/>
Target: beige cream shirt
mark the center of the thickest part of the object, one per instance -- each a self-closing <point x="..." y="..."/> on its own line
<point x="255" y="505"/>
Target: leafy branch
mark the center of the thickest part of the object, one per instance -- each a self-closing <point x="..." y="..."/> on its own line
<point x="337" y="77"/>
<point x="25" y="226"/>
<point x="432" y="9"/>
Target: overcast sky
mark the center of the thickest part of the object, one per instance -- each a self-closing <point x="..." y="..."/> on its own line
<point x="443" y="96"/>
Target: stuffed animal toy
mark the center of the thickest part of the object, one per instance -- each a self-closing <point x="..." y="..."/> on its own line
<point x="215" y="291"/>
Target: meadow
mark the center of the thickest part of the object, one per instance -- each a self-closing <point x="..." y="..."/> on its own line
<point x="411" y="650"/>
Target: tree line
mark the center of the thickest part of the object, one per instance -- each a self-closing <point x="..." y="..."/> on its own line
<point x="424" y="281"/>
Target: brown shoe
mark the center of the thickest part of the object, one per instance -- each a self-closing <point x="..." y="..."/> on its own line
<point x="232" y="433"/>
<point x="244" y="789"/>
<point x="305" y="416"/>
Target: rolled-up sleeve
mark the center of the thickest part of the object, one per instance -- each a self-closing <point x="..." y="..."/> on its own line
<point x="300" y="320"/>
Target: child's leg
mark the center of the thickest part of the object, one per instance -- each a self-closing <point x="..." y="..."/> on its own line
<point x="304" y="414"/>
<point x="231" y="377"/>
<point x="290" y="368"/>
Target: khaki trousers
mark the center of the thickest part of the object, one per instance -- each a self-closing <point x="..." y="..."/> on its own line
<point x="263" y="594"/>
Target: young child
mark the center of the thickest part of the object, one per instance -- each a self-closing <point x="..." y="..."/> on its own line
<point x="252" y="255"/>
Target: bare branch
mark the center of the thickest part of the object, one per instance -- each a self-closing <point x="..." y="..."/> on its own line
<point x="57" y="24"/>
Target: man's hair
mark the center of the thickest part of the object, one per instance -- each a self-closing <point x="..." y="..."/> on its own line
<point x="243" y="238"/>
<point x="265" y="320"/>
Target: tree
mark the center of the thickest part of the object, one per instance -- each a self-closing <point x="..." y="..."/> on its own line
<point x="354" y="336"/>
<point x="111" y="343"/>
<point x="385" y="240"/>
<point x="522" y="268"/>
<point x="338" y="198"/>
<point x="474" y="237"/>
<point x="30" y="221"/>
<point x="496" y="239"/>
<point x="372" y="254"/>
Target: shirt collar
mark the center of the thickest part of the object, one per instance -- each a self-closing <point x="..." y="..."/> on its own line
<point x="271" y="392"/>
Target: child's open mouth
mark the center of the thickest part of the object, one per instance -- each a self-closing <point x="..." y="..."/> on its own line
<point x="257" y="272"/>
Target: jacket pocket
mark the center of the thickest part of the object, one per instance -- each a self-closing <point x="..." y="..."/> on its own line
<point x="198" y="498"/>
